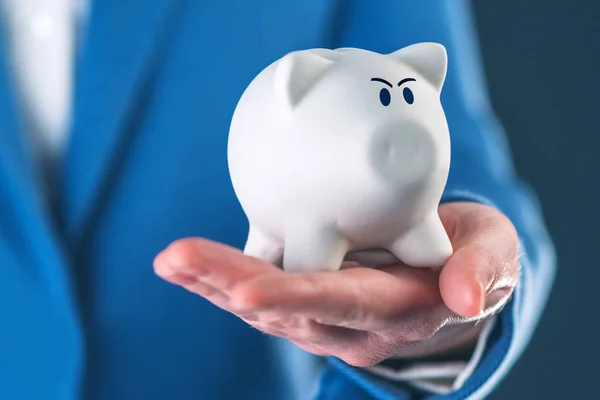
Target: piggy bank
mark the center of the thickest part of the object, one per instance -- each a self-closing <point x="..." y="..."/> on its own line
<point x="332" y="152"/>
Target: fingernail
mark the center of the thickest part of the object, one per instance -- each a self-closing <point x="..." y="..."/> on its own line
<point x="481" y="297"/>
<point x="484" y="283"/>
<point x="473" y="299"/>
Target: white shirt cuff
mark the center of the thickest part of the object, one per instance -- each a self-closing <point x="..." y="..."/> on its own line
<point x="440" y="377"/>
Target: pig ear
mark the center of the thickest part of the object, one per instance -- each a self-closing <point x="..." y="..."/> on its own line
<point x="428" y="59"/>
<point x="296" y="73"/>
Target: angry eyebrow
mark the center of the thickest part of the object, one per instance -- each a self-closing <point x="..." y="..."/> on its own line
<point x="406" y="80"/>
<point x="382" y="81"/>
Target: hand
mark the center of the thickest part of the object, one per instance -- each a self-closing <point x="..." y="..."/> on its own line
<point x="363" y="315"/>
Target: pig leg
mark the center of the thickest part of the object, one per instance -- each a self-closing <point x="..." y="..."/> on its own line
<point x="261" y="246"/>
<point x="313" y="248"/>
<point x="425" y="245"/>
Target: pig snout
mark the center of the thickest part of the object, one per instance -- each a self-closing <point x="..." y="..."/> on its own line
<point x="403" y="153"/>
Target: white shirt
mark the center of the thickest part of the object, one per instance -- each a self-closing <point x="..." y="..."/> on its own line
<point x="40" y="37"/>
<point x="42" y="41"/>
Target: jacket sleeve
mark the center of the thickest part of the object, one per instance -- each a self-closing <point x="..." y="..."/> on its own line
<point x="481" y="171"/>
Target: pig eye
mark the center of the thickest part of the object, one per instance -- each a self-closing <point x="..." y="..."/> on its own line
<point x="385" y="97"/>
<point x="409" y="96"/>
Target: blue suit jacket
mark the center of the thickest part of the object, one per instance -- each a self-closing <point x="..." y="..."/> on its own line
<point x="82" y="313"/>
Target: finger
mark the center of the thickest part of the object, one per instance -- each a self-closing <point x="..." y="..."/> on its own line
<point x="307" y="333"/>
<point x="208" y="262"/>
<point x="312" y="349"/>
<point x="460" y="285"/>
<point x="358" y="348"/>
<point x="312" y="336"/>
<point x="266" y="328"/>
<point x="356" y="298"/>
<point x="485" y="260"/>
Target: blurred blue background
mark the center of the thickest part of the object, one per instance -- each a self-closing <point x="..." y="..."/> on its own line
<point x="542" y="60"/>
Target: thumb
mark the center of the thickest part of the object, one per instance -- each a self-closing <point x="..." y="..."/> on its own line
<point x="480" y="275"/>
<point x="484" y="268"/>
<point x="463" y="282"/>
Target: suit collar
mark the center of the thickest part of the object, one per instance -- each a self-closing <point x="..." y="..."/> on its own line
<point x="26" y="213"/>
<point x="122" y="42"/>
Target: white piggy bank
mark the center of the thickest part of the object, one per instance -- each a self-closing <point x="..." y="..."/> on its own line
<point x="337" y="151"/>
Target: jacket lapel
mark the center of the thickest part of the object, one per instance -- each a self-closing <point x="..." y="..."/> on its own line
<point x="21" y="193"/>
<point x="123" y="39"/>
<point x="16" y="164"/>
